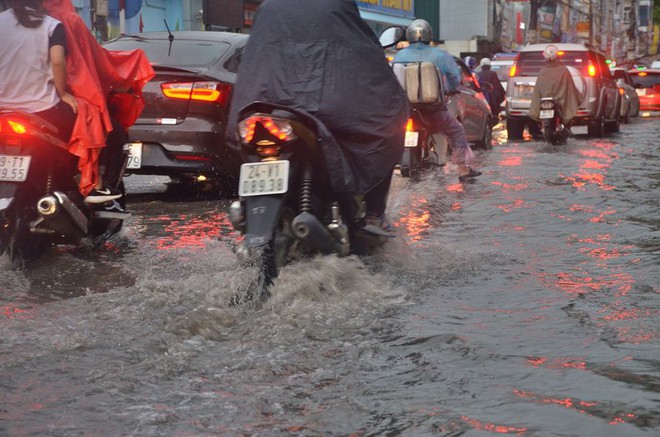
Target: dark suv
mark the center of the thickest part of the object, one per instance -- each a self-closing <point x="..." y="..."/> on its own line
<point x="600" y="108"/>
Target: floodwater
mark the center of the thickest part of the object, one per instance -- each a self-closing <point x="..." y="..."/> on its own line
<point x="525" y="303"/>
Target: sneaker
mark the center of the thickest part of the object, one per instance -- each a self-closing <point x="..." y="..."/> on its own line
<point x="102" y="195"/>
<point x="471" y="174"/>
<point x="378" y="225"/>
<point x="112" y="210"/>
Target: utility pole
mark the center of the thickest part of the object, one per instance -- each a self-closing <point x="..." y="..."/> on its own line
<point x="531" y="35"/>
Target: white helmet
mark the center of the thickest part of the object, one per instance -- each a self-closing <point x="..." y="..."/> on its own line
<point x="550" y="53"/>
<point x="484" y="61"/>
<point x="419" y="30"/>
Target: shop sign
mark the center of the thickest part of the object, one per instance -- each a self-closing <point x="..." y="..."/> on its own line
<point x="399" y="8"/>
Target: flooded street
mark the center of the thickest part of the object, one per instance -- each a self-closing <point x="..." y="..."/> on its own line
<point x="525" y="303"/>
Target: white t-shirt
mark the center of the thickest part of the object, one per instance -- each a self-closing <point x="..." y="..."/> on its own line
<point x="26" y="76"/>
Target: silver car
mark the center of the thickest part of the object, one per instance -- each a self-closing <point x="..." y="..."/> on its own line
<point x="630" y="101"/>
<point x="601" y="105"/>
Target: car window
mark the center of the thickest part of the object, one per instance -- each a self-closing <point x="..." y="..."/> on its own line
<point x="622" y="74"/>
<point x="602" y="66"/>
<point x="181" y="53"/>
<point x="234" y="60"/>
<point x="502" y="70"/>
<point x="645" y="79"/>
<point x="531" y="63"/>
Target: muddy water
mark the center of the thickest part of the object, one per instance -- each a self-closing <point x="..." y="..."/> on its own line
<point x="525" y="303"/>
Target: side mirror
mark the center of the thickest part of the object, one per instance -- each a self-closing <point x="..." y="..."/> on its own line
<point x="392" y="36"/>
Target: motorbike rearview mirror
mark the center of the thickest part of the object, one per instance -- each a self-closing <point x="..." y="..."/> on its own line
<point x="391" y="36"/>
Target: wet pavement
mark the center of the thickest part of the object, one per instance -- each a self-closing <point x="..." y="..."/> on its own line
<point x="524" y="303"/>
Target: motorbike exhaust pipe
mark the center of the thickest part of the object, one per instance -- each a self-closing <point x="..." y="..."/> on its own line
<point x="48" y="206"/>
<point x="61" y="215"/>
<point x="309" y="229"/>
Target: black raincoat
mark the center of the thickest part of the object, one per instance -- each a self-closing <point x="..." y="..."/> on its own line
<point x="320" y="57"/>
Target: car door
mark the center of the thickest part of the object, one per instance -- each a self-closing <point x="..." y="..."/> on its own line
<point x="471" y="109"/>
<point x="608" y="86"/>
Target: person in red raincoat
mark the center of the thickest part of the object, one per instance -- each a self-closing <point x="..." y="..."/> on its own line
<point x="101" y="80"/>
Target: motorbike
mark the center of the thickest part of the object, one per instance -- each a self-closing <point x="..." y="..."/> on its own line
<point x="421" y="148"/>
<point x="554" y="131"/>
<point x="40" y="203"/>
<point x="287" y="207"/>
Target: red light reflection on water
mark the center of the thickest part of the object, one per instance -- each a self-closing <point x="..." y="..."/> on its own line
<point x="186" y="232"/>
<point x="415" y="222"/>
<point x="516" y="204"/>
<point x="491" y="427"/>
<point x="13" y="312"/>
<point x="558" y="363"/>
<point x="512" y="161"/>
<point x="455" y="188"/>
<point x="573" y="404"/>
<point x="512" y="187"/>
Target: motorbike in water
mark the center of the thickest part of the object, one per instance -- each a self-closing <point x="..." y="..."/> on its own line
<point x="421" y="146"/>
<point x="287" y="207"/>
<point x="554" y="131"/>
<point x="40" y="203"/>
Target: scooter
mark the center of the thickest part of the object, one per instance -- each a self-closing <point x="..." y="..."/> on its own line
<point x="40" y="203"/>
<point x="554" y="131"/>
<point x="420" y="150"/>
<point x="288" y="208"/>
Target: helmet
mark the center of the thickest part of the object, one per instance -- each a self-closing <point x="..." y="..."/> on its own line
<point x="550" y="53"/>
<point x="470" y="62"/>
<point x="419" y="30"/>
<point x="484" y="61"/>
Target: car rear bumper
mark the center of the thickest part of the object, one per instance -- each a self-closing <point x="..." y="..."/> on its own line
<point x="186" y="149"/>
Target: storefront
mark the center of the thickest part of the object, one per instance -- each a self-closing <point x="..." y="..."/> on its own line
<point x="380" y="14"/>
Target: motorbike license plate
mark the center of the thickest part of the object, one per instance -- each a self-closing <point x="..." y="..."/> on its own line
<point x="264" y="178"/>
<point x="14" y="168"/>
<point x="412" y="138"/>
<point x="545" y="114"/>
<point x="134" y="151"/>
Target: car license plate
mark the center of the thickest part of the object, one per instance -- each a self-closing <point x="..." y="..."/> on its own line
<point x="412" y="138"/>
<point x="546" y="114"/>
<point x="14" y="168"/>
<point x="526" y="91"/>
<point x="134" y="151"/>
<point x="264" y="178"/>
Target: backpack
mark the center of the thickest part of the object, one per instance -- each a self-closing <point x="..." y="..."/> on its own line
<point x="422" y="82"/>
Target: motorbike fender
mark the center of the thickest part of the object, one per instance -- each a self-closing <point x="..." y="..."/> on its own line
<point x="7" y="195"/>
<point x="262" y="214"/>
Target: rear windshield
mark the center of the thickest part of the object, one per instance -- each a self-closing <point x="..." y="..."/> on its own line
<point x="501" y="70"/>
<point x="646" y="79"/>
<point x="182" y="53"/>
<point x="531" y="63"/>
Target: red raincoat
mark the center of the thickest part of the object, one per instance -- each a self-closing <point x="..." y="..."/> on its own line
<point x="92" y="73"/>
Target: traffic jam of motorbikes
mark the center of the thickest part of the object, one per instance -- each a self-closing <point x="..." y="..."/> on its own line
<point x="316" y="138"/>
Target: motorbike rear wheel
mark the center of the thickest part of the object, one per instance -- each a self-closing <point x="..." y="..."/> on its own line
<point x="20" y="244"/>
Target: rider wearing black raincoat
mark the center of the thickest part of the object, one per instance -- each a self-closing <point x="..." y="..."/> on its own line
<point x="320" y="57"/>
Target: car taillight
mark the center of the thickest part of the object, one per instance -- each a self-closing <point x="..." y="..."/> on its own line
<point x="280" y="129"/>
<point x="591" y="70"/>
<point x="622" y="91"/>
<point x="209" y="91"/>
<point x="512" y="70"/>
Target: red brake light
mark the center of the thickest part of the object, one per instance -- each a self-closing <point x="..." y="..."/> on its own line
<point x="591" y="70"/>
<point x="202" y="91"/>
<point x="17" y="127"/>
<point x="410" y="127"/>
<point x="280" y="129"/>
